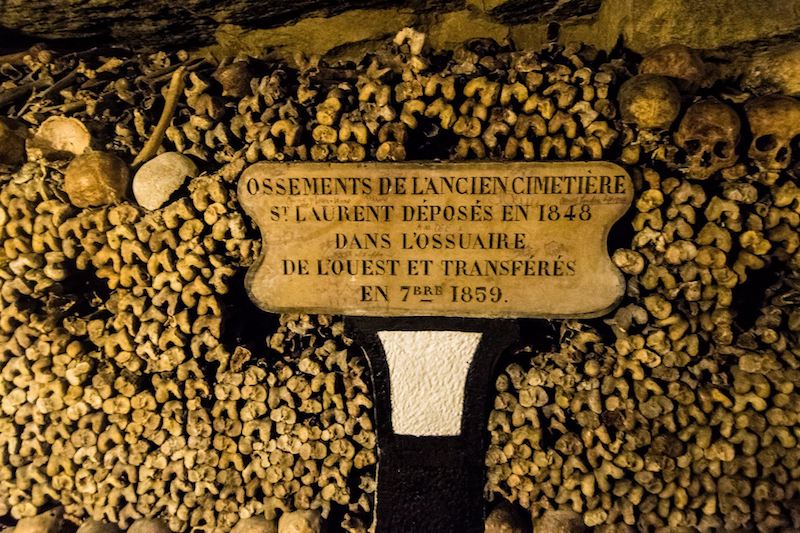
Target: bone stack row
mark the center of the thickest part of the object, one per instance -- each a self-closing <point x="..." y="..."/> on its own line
<point x="122" y="400"/>
<point x="135" y="385"/>
<point x="481" y="101"/>
<point x="679" y="412"/>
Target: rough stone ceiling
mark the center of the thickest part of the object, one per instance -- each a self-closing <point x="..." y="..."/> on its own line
<point x="280" y="27"/>
<point x="160" y="22"/>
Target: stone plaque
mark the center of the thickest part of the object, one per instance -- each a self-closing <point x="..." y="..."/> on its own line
<point x="469" y="239"/>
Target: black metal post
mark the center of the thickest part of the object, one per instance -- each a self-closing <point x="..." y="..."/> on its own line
<point x="433" y="484"/>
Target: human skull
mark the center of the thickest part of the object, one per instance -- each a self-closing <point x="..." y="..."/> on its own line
<point x="559" y="521"/>
<point x="774" y="70"/>
<point x="159" y="178"/>
<point x="59" y="138"/>
<point x="649" y="101"/>
<point x="95" y="526"/>
<point x="775" y="122"/>
<point x="309" y="521"/>
<point x="96" y="179"/>
<point x="505" y="519"/>
<point x="46" y="522"/>
<point x="147" y="525"/>
<point x="708" y="133"/>
<point x="678" y="62"/>
<point x="255" y="524"/>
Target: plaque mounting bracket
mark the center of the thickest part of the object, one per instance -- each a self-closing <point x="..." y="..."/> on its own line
<point x="432" y="482"/>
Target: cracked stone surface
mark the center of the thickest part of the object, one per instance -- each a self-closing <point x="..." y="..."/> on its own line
<point x="280" y="28"/>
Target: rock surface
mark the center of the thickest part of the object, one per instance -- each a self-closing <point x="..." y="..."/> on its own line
<point x="774" y="70"/>
<point x="318" y="27"/>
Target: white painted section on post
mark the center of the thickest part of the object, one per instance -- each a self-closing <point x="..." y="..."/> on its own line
<point x="427" y="377"/>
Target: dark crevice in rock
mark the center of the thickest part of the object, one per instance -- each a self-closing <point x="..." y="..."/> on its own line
<point x="568" y="10"/>
<point x="759" y="45"/>
<point x="517" y="11"/>
<point x="521" y="11"/>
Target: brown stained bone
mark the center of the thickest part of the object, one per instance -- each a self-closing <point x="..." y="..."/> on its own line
<point x="300" y="522"/>
<point x="12" y="143"/>
<point x="558" y="521"/>
<point x="94" y="526"/>
<point x="682" y="419"/>
<point x="156" y="180"/>
<point x="9" y="96"/>
<point x="96" y="179"/>
<point x="771" y="71"/>
<point x="144" y="525"/>
<point x="59" y="137"/>
<point x="47" y="522"/>
<point x="505" y="519"/>
<point x="679" y="62"/>
<point x="16" y="58"/>
<point x="649" y="101"/>
<point x="255" y="525"/>
<point x="709" y="132"/>
<point x="774" y="122"/>
<point x="235" y="79"/>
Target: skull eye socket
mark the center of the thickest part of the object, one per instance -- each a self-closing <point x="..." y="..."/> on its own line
<point x="766" y="143"/>
<point x="692" y="146"/>
<point x="722" y="150"/>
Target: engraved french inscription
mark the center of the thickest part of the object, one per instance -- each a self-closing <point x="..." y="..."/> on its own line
<point x="470" y="239"/>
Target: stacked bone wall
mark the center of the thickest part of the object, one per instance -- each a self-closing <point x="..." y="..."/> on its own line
<point x="139" y="382"/>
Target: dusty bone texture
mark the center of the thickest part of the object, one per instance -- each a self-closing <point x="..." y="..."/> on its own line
<point x="650" y="101"/>
<point x="126" y="357"/>
<point x="300" y="522"/>
<point x="148" y="526"/>
<point x="709" y="132"/>
<point x="505" y="519"/>
<point x="680" y="63"/>
<point x="46" y="522"/>
<point x="96" y="179"/>
<point x="159" y="178"/>
<point x="97" y="526"/>
<point x="12" y="143"/>
<point x="688" y="366"/>
<point x="255" y="525"/>
<point x="775" y="124"/>
<point x="59" y="138"/>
